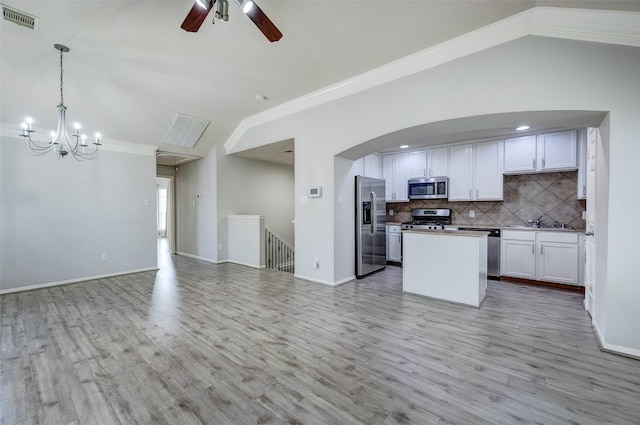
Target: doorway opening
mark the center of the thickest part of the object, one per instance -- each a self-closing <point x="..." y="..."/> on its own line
<point x="165" y="211"/>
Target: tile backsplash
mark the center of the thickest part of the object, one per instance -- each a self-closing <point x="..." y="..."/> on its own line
<point x="526" y="197"/>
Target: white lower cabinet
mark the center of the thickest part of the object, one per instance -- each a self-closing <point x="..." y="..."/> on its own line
<point x="538" y="255"/>
<point x="394" y="243"/>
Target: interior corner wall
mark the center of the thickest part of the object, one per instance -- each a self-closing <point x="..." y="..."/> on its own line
<point x="165" y="170"/>
<point x="345" y="171"/>
<point x="251" y="187"/>
<point x="196" y="204"/>
<point x="58" y="217"/>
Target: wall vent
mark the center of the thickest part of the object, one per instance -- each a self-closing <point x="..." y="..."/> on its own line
<point x="20" y="18"/>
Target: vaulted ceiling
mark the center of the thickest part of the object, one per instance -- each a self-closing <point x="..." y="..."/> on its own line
<point x="131" y="69"/>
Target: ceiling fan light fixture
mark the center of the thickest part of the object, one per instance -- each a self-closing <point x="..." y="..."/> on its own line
<point x="245" y="5"/>
<point x="202" y="4"/>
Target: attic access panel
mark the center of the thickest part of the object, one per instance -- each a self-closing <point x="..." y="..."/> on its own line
<point x="185" y="131"/>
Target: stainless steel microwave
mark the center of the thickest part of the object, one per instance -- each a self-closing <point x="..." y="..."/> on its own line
<point x="428" y="188"/>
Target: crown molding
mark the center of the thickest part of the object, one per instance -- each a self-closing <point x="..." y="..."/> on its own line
<point x="112" y="145"/>
<point x="604" y="26"/>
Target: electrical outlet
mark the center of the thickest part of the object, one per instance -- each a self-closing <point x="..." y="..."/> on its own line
<point x="316" y="263"/>
<point x="391" y="213"/>
<point x="105" y="256"/>
<point x="472" y="213"/>
<point x="584" y="215"/>
<point x="219" y="247"/>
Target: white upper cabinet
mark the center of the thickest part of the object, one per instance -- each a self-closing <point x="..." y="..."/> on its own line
<point x="395" y="171"/>
<point x="438" y="162"/>
<point x="542" y="153"/>
<point x="489" y="180"/>
<point x="373" y="166"/>
<point x="557" y="151"/>
<point x="418" y="163"/>
<point x="460" y="172"/>
<point x="475" y="171"/>
<point x="520" y="154"/>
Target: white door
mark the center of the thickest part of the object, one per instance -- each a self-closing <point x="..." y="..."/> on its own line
<point x="593" y="136"/>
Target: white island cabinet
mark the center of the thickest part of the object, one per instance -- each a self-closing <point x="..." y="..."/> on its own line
<point x="446" y="265"/>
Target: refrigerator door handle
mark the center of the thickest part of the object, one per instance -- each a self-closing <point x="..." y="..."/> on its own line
<point x="374" y="214"/>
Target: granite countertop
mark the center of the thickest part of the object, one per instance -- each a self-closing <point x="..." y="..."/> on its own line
<point x="470" y="234"/>
<point x="515" y="227"/>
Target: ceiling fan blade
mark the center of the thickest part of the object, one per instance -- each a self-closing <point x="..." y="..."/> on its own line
<point x="196" y="16"/>
<point x="264" y="24"/>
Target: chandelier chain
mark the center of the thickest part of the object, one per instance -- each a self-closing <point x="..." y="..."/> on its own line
<point x="61" y="92"/>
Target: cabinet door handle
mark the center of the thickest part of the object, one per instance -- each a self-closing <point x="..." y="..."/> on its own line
<point x="534" y="163"/>
<point x="430" y="174"/>
<point x="584" y="190"/>
<point x="533" y="250"/>
<point x="542" y="162"/>
<point x="477" y="194"/>
<point x="541" y="249"/>
<point x="470" y="195"/>
<point x="424" y="171"/>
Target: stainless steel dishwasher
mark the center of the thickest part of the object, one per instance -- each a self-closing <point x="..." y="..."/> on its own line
<point x="493" y="250"/>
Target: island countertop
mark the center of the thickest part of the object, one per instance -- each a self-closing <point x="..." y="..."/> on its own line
<point x="447" y="265"/>
<point x="470" y="234"/>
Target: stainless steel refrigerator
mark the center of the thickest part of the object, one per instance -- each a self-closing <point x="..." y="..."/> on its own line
<point x="371" y="220"/>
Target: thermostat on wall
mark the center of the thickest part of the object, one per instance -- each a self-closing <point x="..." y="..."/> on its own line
<point x="315" y="192"/>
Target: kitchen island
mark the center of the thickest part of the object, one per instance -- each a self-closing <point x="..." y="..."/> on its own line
<point x="446" y="265"/>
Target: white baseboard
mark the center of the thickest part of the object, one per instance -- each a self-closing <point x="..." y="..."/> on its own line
<point x="253" y="266"/>
<point x="67" y="282"/>
<point x="208" y="260"/>
<point x="345" y="280"/>
<point x="613" y="348"/>
<point x="310" y="279"/>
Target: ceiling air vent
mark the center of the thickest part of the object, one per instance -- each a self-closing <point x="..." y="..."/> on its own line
<point x="185" y="131"/>
<point x="20" y="18"/>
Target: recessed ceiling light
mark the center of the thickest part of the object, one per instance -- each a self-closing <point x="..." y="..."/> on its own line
<point x="404" y="146"/>
<point x="523" y="127"/>
<point x="260" y="98"/>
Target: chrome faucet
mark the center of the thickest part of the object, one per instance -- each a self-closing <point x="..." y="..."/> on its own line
<point x="536" y="222"/>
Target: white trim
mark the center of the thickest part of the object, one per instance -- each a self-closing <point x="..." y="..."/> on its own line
<point x="603" y="26"/>
<point x="112" y="145"/>
<point x="612" y="348"/>
<point x="67" y="282"/>
<point x="208" y="260"/>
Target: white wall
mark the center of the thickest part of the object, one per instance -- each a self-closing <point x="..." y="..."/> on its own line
<point x="250" y="187"/>
<point x="196" y="204"/>
<point x="57" y="217"/>
<point x="229" y="185"/>
<point x="529" y="74"/>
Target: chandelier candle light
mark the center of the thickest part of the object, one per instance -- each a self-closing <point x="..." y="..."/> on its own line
<point x="61" y="142"/>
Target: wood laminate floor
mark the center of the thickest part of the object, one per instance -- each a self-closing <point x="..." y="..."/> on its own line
<point x="198" y="343"/>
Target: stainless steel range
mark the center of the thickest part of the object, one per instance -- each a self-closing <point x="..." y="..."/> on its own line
<point x="428" y="219"/>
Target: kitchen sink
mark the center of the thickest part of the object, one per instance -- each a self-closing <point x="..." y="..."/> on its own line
<point x="553" y="229"/>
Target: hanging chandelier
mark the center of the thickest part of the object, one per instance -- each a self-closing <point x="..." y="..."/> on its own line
<point x="61" y="142"/>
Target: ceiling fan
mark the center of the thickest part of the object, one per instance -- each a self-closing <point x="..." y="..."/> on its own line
<point x="201" y="8"/>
